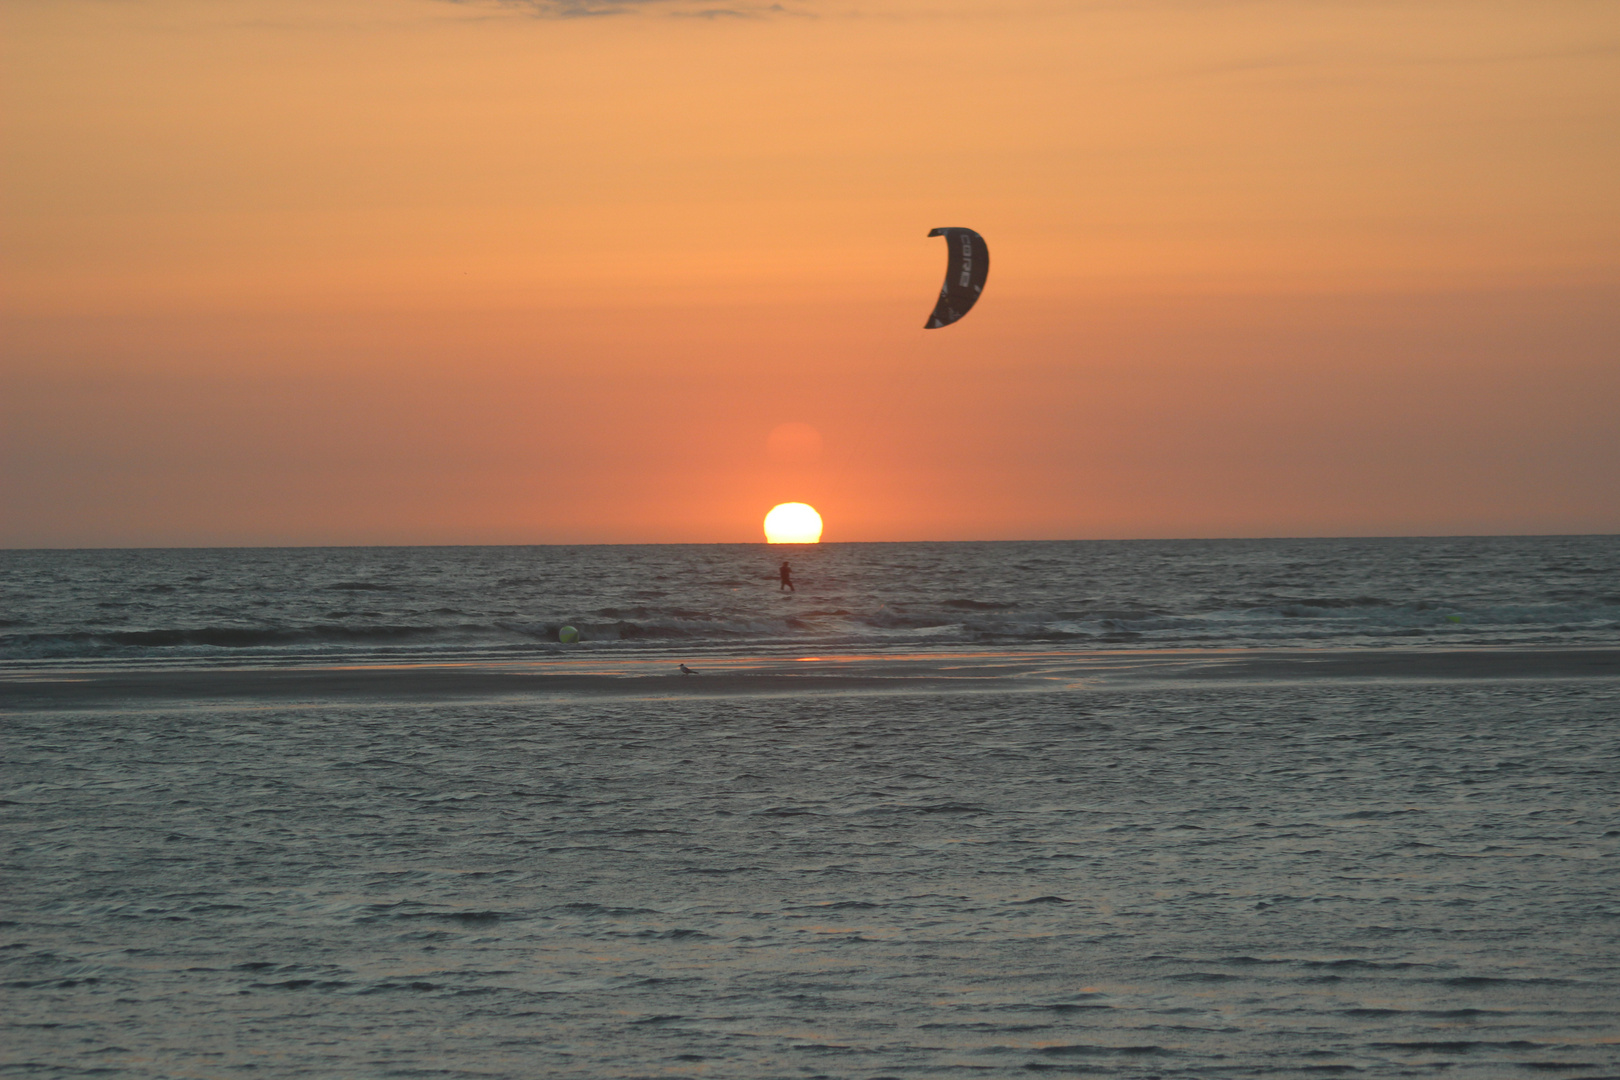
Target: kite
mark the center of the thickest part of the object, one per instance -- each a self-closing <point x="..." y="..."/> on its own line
<point x="968" y="266"/>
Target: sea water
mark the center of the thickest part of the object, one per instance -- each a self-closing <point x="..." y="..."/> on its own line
<point x="456" y="604"/>
<point x="1300" y="876"/>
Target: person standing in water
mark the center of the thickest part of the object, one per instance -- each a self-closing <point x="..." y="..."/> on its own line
<point x="787" y="578"/>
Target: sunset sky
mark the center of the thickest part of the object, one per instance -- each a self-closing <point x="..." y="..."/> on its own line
<point x="421" y="271"/>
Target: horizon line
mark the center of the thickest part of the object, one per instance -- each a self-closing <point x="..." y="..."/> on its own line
<point x="820" y="543"/>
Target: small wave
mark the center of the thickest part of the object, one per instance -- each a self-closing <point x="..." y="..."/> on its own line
<point x="1090" y="1050"/>
<point x="303" y="984"/>
<point x="211" y="637"/>
<point x="1439" y="1014"/>
<point x="1480" y="981"/>
<point x="1072" y="1006"/>
<point x="465" y="918"/>
<point x="390" y="987"/>
<point x="599" y="909"/>
<point x="1324" y="603"/>
<point x="1457" y="1046"/>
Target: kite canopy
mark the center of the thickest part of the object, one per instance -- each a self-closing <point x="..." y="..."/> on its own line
<point x="968" y="266"/>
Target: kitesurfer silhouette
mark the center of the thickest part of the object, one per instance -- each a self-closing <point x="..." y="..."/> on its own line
<point x="787" y="579"/>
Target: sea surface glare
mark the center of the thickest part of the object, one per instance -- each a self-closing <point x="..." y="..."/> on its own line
<point x="1125" y="871"/>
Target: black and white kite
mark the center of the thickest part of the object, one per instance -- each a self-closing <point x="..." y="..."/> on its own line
<point x="969" y="265"/>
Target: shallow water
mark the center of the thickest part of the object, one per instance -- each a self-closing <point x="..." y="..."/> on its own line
<point x="1374" y="880"/>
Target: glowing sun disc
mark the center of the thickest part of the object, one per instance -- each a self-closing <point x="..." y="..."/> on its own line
<point x="793" y="523"/>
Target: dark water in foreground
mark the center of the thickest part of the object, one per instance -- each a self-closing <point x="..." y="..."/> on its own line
<point x="1253" y="880"/>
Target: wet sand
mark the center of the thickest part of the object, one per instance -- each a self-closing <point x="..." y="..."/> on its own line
<point x="653" y="678"/>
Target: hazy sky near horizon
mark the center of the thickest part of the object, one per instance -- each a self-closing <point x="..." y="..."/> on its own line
<point x="422" y="271"/>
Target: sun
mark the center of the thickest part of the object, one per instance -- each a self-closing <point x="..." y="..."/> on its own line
<point x="793" y="523"/>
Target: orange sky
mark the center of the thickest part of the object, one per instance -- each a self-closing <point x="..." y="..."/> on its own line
<point x="415" y="271"/>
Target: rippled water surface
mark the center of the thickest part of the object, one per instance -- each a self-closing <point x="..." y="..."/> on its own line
<point x="359" y="604"/>
<point x="1155" y="809"/>
<point x="1373" y="880"/>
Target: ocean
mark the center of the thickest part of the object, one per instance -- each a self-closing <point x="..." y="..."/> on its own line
<point x="1133" y="809"/>
<point x="301" y="605"/>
